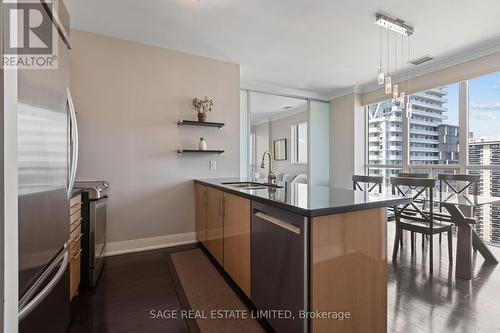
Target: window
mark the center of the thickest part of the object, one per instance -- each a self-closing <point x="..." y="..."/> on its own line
<point x="434" y="126"/>
<point x="435" y="129"/>
<point x="484" y="149"/>
<point x="484" y="112"/>
<point x="299" y="143"/>
<point x="384" y="135"/>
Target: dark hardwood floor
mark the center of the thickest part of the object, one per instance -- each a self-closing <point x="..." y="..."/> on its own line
<point x="418" y="302"/>
<point x="134" y="284"/>
<point x="130" y="286"/>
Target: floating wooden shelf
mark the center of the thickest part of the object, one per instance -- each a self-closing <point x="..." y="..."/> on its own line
<point x="208" y="151"/>
<point x="199" y="123"/>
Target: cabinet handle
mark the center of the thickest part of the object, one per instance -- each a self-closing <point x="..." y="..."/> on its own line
<point x="77" y="255"/>
<point x="78" y="204"/>
<point x="224" y="206"/>
<point x="77" y="238"/>
<point x="220" y="206"/>
<point x="75" y="222"/>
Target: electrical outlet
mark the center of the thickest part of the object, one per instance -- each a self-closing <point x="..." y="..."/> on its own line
<point x="213" y="165"/>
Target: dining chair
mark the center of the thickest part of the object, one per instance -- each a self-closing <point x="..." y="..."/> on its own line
<point x="367" y="180"/>
<point x="418" y="219"/>
<point x="420" y="176"/>
<point x="457" y="184"/>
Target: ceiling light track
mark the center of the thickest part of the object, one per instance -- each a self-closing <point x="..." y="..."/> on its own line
<point x="394" y="24"/>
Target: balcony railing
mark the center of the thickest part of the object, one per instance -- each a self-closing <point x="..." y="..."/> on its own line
<point x="436" y="98"/>
<point x="429" y="106"/>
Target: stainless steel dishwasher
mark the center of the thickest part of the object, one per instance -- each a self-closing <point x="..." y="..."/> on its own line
<point x="279" y="266"/>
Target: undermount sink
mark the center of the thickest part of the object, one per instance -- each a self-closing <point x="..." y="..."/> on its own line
<point x="251" y="185"/>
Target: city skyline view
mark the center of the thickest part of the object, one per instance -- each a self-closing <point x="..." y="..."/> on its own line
<point x="434" y="139"/>
<point x="484" y="106"/>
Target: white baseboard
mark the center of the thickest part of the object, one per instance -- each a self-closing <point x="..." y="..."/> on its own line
<point x="144" y="244"/>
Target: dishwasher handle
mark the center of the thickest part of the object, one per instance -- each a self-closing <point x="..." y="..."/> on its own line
<point x="280" y="223"/>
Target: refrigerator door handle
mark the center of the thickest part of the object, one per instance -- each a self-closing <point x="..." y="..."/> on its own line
<point x="74" y="143"/>
<point x="26" y="306"/>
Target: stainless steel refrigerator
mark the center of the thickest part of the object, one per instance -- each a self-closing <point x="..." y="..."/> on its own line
<point x="46" y="171"/>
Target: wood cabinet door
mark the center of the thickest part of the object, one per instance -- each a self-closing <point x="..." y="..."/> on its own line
<point x="237" y="240"/>
<point x="215" y="224"/>
<point x="201" y="213"/>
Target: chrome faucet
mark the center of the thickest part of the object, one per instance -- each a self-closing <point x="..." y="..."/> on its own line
<point x="271" y="177"/>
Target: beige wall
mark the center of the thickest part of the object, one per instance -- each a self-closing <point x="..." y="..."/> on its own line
<point x="128" y="98"/>
<point x="347" y="134"/>
<point x="262" y="145"/>
<point x="282" y="129"/>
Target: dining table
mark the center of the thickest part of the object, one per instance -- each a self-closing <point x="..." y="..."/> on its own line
<point x="460" y="209"/>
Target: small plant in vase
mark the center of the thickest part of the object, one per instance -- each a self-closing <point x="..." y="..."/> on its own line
<point x="202" y="145"/>
<point x="202" y="106"/>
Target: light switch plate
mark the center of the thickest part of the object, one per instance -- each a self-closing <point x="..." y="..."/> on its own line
<point x="213" y="165"/>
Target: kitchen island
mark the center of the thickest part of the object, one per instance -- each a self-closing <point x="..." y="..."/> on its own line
<point x="316" y="253"/>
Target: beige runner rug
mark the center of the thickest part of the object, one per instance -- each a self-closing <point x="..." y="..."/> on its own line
<point x="215" y="305"/>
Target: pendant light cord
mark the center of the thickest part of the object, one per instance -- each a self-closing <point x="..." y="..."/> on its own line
<point x="409" y="59"/>
<point x="388" y="49"/>
<point x="380" y="45"/>
<point x="395" y="57"/>
<point x="403" y="72"/>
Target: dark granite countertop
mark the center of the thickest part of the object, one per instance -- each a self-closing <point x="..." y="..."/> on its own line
<point x="313" y="201"/>
<point x="76" y="191"/>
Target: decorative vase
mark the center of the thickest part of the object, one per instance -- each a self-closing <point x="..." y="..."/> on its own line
<point x="203" y="144"/>
<point x="202" y="117"/>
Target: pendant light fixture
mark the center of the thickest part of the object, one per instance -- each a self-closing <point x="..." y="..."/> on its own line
<point x="402" y="95"/>
<point x="409" y="105"/>
<point x="388" y="80"/>
<point x="397" y="26"/>
<point x="395" y="87"/>
<point x="380" y="77"/>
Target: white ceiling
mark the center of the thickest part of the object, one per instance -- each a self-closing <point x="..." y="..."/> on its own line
<point x="316" y="48"/>
<point x="266" y="107"/>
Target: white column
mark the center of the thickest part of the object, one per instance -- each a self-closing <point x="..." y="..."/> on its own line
<point x="347" y="145"/>
<point x="244" y="132"/>
<point x="463" y="121"/>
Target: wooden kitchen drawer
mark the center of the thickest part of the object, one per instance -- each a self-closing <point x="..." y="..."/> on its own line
<point x="75" y="220"/>
<point x="74" y="271"/>
<point x="75" y="204"/>
<point x="75" y="247"/>
<point x="76" y="237"/>
<point x="75" y="252"/>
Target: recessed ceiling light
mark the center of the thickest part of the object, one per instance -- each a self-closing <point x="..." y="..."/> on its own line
<point x="422" y="59"/>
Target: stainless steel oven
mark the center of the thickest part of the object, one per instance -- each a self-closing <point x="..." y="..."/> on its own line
<point x="97" y="237"/>
<point x="95" y="200"/>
